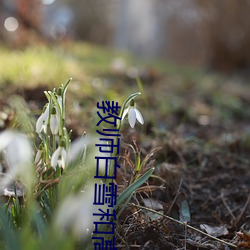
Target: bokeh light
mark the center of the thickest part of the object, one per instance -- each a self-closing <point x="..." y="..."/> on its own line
<point x="58" y="31"/>
<point x="11" y="24"/>
<point x="48" y="2"/>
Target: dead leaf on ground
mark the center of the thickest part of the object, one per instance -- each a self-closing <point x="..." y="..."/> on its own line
<point x="245" y="236"/>
<point x="215" y="231"/>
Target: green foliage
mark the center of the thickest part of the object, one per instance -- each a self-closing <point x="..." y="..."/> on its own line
<point x="34" y="64"/>
<point x="133" y="187"/>
<point x="47" y="215"/>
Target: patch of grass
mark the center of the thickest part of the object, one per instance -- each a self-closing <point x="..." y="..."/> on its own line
<point x="52" y="64"/>
<point x="193" y="115"/>
<point x="94" y="59"/>
<point x="41" y="64"/>
<point x="32" y="66"/>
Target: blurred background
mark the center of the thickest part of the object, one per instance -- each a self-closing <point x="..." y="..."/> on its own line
<point x="212" y="34"/>
<point x="186" y="52"/>
<point x="192" y="59"/>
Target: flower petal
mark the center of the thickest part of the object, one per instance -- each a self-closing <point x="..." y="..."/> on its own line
<point x="19" y="151"/>
<point x="5" y="138"/>
<point x="63" y="158"/>
<point x="59" y="99"/>
<point x="139" y="116"/>
<point x="55" y="156"/>
<point x="124" y="113"/>
<point x="132" y="117"/>
<point x="42" y="121"/>
<point x="54" y="124"/>
<point x="44" y="127"/>
<point x="46" y="113"/>
<point x="18" y="156"/>
<point x="75" y="214"/>
<point x="39" y="123"/>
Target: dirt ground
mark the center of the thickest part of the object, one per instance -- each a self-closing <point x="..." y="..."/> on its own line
<point x="216" y="187"/>
<point x="202" y="171"/>
<point x="200" y="136"/>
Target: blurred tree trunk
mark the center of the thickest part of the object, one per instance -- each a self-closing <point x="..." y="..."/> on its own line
<point x="28" y="14"/>
<point x="229" y="34"/>
<point x="212" y="33"/>
<point x="92" y="22"/>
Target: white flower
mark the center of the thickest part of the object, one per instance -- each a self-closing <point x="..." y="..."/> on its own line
<point x="17" y="152"/>
<point x="77" y="149"/>
<point x="42" y="122"/>
<point x="133" y="114"/>
<point x="59" y="99"/>
<point x="59" y="157"/>
<point x="54" y="121"/>
<point x="75" y="214"/>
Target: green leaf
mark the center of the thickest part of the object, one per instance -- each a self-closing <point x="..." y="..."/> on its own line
<point x="130" y="189"/>
<point x="11" y="237"/>
<point x="65" y="87"/>
<point x="185" y="212"/>
<point x="138" y="163"/>
<point x="39" y="222"/>
<point x="124" y="205"/>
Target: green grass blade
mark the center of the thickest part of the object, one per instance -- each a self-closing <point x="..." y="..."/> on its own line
<point x="124" y="205"/>
<point x="10" y="235"/>
<point x="129" y="190"/>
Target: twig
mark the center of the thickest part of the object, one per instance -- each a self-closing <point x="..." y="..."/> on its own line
<point x="173" y="202"/>
<point x="227" y="207"/>
<point x="184" y="224"/>
<point x="185" y="242"/>
<point x="239" y="217"/>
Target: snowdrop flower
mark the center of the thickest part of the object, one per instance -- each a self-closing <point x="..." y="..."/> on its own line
<point x="42" y="122"/>
<point x="17" y="152"/>
<point x="59" y="99"/>
<point x="59" y="157"/>
<point x="54" y="121"/>
<point x="78" y="149"/>
<point x="133" y="114"/>
<point x="75" y="215"/>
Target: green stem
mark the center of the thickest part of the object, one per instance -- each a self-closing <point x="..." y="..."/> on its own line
<point x="65" y="87"/>
<point x="54" y="142"/>
<point x="114" y="154"/>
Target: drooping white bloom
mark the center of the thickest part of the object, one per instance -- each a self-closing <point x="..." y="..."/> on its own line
<point x="59" y="157"/>
<point x="75" y="215"/>
<point x="78" y="149"/>
<point x="17" y="146"/>
<point x="133" y="114"/>
<point x="59" y="99"/>
<point x="17" y="152"/>
<point x="54" y="121"/>
<point x="42" y="122"/>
